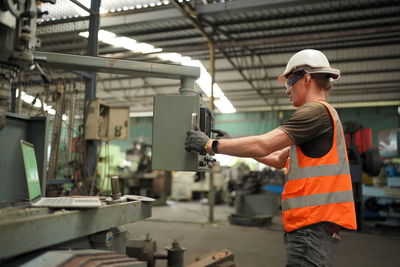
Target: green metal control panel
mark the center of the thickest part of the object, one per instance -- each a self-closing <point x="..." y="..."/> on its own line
<point x="174" y="115"/>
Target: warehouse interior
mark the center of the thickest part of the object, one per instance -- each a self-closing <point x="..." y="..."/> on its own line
<point x="96" y="98"/>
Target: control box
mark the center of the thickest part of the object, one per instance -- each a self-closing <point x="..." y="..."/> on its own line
<point x="105" y="122"/>
<point x="174" y="115"/>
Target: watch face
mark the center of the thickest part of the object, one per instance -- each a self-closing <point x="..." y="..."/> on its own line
<point x="214" y="146"/>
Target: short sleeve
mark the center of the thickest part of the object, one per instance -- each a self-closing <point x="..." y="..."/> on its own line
<point x="307" y="122"/>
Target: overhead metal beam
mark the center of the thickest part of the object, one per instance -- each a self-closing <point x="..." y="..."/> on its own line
<point x="333" y="62"/>
<point x="352" y="9"/>
<point x="300" y="36"/>
<point x="321" y="21"/>
<point x="109" y="65"/>
<point x="334" y="92"/>
<point x="347" y="73"/>
<point x="231" y="7"/>
<point x="292" y="48"/>
<point x="212" y="9"/>
<point x="353" y="104"/>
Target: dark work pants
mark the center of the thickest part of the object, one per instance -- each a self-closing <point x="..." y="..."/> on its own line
<point x="312" y="245"/>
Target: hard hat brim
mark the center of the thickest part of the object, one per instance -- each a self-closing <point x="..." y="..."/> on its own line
<point x="335" y="73"/>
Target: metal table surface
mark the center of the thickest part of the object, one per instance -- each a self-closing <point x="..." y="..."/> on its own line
<point x="27" y="229"/>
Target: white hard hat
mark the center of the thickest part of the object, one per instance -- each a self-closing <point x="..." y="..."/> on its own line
<point x="313" y="61"/>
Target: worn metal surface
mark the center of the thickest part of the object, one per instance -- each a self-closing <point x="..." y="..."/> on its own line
<point x="29" y="229"/>
<point x="109" y="65"/>
<point x="90" y="257"/>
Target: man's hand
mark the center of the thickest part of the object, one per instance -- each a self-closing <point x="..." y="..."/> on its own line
<point x="221" y="134"/>
<point x="196" y="142"/>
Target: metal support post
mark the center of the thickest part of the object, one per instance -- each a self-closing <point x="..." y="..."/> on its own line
<point x="211" y="191"/>
<point x="90" y="91"/>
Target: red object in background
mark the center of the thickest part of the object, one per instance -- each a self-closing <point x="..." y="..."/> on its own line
<point x="78" y="144"/>
<point x="362" y="139"/>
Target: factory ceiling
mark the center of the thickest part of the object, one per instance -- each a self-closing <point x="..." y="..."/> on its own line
<point x="253" y="40"/>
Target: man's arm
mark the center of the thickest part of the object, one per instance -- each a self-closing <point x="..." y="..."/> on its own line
<point x="276" y="159"/>
<point x="253" y="146"/>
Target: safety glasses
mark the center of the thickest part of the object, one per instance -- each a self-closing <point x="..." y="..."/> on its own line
<point x="289" y="82"/>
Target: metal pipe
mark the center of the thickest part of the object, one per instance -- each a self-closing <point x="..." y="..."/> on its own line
<point x="187" y="86"/>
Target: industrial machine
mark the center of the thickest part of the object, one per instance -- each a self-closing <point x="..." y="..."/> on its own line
<point x="17" y="41"/>
<point x="381" y="205"/>
<point x="255" y="195"/>
<point x="362" y="158"/>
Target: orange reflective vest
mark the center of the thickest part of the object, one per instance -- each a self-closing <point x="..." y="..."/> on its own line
<point x="319" y="189"/>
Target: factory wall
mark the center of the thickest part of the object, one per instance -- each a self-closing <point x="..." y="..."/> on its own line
<point x="254" y="123"/>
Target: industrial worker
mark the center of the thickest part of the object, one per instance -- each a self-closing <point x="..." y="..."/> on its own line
<point x="317" y="199"/>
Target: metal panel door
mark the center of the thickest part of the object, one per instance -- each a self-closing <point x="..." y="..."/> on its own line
<point x="172" y="119"/>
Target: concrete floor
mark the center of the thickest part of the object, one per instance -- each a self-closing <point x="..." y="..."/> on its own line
<point x="253" y="246"/>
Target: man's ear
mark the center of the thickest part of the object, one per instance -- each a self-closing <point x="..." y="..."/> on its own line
<point x="307" y="78"/>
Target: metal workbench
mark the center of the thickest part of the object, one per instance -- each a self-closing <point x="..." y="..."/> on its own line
<point x="25" y="230"/>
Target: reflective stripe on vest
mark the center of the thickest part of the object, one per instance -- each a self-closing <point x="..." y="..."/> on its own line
<point x="317" y="199"/>
<point x="314" y="183"/>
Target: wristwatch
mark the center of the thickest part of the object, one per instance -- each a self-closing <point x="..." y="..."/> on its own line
<point x="214" y="146"/>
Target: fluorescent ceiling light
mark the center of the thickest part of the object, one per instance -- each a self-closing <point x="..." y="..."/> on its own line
<point x="204" y="81"/>
<point x="125" y="42"/>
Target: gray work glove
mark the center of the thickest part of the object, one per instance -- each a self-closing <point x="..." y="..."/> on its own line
<point x="196" y="142"/>
<point x="221" y="134"/>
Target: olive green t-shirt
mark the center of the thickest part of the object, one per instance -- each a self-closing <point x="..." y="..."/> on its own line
<point x="311" y="128"/>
